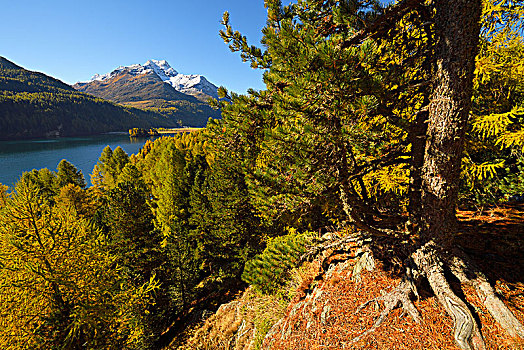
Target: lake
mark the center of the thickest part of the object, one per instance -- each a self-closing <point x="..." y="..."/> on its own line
<point x="83" y="152"/>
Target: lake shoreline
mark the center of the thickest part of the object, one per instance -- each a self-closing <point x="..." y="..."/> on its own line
<point x="54" y="136"/>
<point x="18" y="156"/>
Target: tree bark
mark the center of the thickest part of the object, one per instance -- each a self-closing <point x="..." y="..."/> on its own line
<point x="436" y="164"/>
<point x="417" y="137"/>
<point x="457" y="24"/>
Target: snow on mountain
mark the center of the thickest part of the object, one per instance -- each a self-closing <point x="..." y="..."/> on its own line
<point x="161" y="68"/>
<point x="188" y="84"/>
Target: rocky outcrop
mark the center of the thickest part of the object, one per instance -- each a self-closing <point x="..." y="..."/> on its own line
<point x="327" y="310"/>
<point x="340" y="305"/>
<point x="238" y="325"/>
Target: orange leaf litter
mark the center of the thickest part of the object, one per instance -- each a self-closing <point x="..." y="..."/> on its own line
<point x="494" y="240"/>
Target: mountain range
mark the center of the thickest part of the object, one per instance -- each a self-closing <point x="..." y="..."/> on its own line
<point x="195" y="85"/>
<point x="156" y="86"/>
<point x="35" y="105"/>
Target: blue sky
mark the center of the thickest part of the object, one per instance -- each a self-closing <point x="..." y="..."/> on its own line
<point x="72" y="40"/>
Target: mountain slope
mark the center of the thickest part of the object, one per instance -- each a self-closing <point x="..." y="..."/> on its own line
<point x="194" y="84"/>
<point x="33" y="105"/>
<point x="157" y="86"/>
<point x="126" y="87"/>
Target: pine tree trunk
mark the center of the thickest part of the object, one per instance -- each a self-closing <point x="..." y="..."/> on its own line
<point x="457" y="24"/>
<point x="417" y="137"/>
<point x="438" y="163"/>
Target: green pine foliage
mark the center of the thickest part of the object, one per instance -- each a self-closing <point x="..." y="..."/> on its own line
<point x="269" y="271"/>
<point x="66" y="173"/>
<point x="328" y="138"/>
<point x="109" y="166"/>
<point x="223" y="213"/>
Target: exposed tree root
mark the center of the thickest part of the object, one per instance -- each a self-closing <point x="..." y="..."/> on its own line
<point x="466" y="333"/>
<point x="468" y="273"/>
<point x="331" y="247"/>
<point x="426" y="262"/>
<point x="400" y="296"/>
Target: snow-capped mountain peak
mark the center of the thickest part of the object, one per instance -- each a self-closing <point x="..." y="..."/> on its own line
<point x="189" y="84"/>
<point x="161" y="68"/>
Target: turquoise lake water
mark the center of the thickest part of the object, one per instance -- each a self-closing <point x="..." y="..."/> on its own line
<point x="83" y="152"/>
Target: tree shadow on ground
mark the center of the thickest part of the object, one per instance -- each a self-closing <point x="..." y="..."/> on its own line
<point x="495" y="241"/>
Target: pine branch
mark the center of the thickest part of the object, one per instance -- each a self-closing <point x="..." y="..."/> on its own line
<point x="383" y="23"/>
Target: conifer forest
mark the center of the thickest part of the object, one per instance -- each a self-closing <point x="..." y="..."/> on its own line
<point x="377" y="123"/>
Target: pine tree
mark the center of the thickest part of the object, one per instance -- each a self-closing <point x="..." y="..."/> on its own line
<point x="368" y="108"/>
<point x="171" y="186"/>
<point x="224" y="221"/>
<point x="43" y="179"/>
<point x="336" y="125"/>
<point x="66" y="173"/>
<point x="268" y="271"/>
<point x="57" y="287"/>
<point x="109" y="166"/>
<point x="135" y="246"/>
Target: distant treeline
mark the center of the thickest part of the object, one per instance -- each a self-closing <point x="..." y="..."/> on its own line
<point x="141" y="132"/>
<point x="182" y="112"/>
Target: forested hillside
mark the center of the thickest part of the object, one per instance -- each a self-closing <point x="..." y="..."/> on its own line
<point x="333" y="190"/>
<point x="35" y="105"/>
<point x="114" y="265"/>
